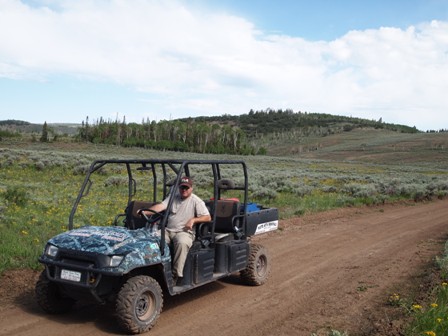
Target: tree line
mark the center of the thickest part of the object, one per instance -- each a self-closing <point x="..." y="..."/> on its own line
<point x="245" y="134"/>
<point x="176" y="135"/>
<point x="226" y="134"/>
<point x="270" y="121"/>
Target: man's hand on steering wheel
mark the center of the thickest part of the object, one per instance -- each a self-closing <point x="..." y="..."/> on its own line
<point x="152" y="218"/>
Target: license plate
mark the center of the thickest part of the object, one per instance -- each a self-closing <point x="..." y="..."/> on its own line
<point x="71" y="275"/>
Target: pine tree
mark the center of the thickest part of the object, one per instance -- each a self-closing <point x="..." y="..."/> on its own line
<point x="44" y="136"/>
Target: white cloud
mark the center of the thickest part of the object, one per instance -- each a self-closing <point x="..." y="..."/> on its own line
<point x="195" y="60"/>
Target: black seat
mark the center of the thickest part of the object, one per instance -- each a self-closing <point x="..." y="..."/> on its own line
<point x="227" y="214"/>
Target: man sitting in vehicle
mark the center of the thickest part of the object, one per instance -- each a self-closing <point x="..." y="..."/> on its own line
<point x="187" y="210"/>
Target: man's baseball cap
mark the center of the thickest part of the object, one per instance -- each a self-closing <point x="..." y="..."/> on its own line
<point x="186" y="181"/>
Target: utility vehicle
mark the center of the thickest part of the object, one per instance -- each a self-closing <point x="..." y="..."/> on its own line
<point x="122" y="258"/>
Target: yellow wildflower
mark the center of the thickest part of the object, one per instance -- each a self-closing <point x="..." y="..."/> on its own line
<point x="430" y="333"/>
<point x="444" y="284"/>
<point x="439" y="320"/>
<point x="416" y="306"/>
<point x="394" y="299"/>
<point x="24" y="232"/>
<point x="434" y="305"/>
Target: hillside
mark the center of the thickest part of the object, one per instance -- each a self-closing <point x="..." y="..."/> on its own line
<point x="371" y="146"/>
<point x="274" y="121"/>
<point x="24" y="127"/>
<point x="279" y="133"/>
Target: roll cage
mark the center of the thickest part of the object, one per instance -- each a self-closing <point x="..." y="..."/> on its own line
<point x="162" y="182"/>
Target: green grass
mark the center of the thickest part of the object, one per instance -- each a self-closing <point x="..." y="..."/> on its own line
<point x="426" y="313"/>
<point x="430" y="319"/>
<point x="39" y="184"/>
<point x="39" y="212"/>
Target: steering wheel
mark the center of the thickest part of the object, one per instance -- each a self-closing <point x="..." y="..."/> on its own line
<point x="156" y="216"/>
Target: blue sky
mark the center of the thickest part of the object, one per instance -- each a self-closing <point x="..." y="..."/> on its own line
<point x="330" y="19"/>
<point x="63" y="60"/>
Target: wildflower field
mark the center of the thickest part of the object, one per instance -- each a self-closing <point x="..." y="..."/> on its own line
<point x="39" y="184"/>
<point x="427" y="315"/>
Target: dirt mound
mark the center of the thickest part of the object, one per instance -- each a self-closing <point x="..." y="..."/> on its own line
<point x="17" y="287"/>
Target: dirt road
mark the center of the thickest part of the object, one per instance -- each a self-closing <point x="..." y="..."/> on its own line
<point x="331" y="270"/>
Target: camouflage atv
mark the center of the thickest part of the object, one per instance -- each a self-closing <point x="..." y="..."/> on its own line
<point x="125" y="260"/>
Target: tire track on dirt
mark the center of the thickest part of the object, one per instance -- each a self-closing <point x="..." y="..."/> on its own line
<point x="352" y="270"/>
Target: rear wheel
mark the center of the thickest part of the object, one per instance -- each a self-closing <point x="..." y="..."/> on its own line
<point x="50" y="298"/>
<point x="139" y="304"/>
<point x="258" y="266"/>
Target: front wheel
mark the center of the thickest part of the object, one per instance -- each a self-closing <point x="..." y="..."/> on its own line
<point x="139" y="304"/>
<point x="50" y="298"/>
<point x="258" y="266"/>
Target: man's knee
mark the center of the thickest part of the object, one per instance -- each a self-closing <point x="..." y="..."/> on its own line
<point x="184" y="239"/>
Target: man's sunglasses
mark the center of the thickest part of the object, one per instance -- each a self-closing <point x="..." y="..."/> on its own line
<point x="184" y="188"/>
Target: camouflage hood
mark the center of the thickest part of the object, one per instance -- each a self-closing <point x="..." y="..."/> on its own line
<point x="104" y="240"/>
<point x="138" y="247"/>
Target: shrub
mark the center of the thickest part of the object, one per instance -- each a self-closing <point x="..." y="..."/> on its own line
<point x="442" y="185"/>
<point x="360" y="190"/>
<point x="442" y="262"/>
<point x="16" y="195"/>
<point x="441" y="194"/>
<point x="116" y="181"/>
<point x="302" y="190"/>
<point x="81" y="170"/>
<point x="415" y="191"/>
<point x="263" y="193"/>
<point x="39" y="165"/>
<point x="329" y="189"/>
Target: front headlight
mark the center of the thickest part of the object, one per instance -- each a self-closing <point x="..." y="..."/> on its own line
<point x="51" y="251"/>
<point x="115" y="260"/>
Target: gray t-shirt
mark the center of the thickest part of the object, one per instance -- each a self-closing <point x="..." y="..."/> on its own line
<point x="183" y="210"/>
